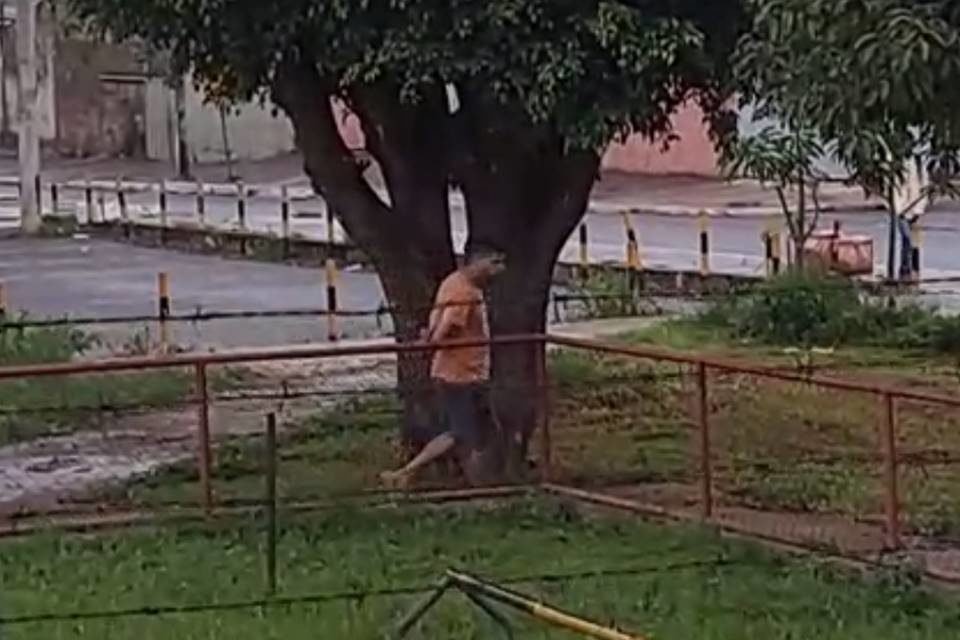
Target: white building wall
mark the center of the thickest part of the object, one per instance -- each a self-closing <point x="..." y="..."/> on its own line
<point x="253" y="131"/>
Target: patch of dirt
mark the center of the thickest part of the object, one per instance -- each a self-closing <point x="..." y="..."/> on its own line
<point x="835" y="532"/>
<point x="50" y="474"/>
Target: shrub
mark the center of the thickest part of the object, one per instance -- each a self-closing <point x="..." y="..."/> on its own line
<point x="814" y="310"/>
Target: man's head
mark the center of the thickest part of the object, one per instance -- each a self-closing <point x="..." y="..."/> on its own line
<point x="484" y="263"/>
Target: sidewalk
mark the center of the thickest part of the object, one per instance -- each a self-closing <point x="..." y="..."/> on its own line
<point x="614" y="192"/>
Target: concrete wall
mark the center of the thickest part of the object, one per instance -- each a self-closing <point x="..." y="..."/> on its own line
<point x="692" y="153"/>
<point x="100" y="100"/>
<point x="253" y="131"/>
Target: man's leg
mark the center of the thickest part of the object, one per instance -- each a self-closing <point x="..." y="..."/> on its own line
<point x="435" y="449"/>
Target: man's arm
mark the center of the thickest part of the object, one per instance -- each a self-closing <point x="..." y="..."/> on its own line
<point x="452" y="320"/>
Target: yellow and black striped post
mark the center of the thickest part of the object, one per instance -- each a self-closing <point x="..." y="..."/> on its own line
<point x="634" y="260"/>
<point x="88" y="197"/>
<point x="38" y="190"/>
<point x="773" y="250"/>
<point x="122" y="204"/>
<point x="201" y="205"/>
<point x="241" y="206"/>
<point x="285" y="220"/>
<point x="242" y="216"/>
<point x="332" y="333"/>
<point x="54" y="198"/>
<point x="331" y="269"/>
<point x="916" y="257"/>
<point x="776" y="246"/>
<point x="703" y="222"/>
<point x="163" y="211"/>
<point x="163" y="308"/>
<point x="584" y="251"/>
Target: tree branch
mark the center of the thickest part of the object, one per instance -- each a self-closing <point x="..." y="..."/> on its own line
<point x="334" y="171"/>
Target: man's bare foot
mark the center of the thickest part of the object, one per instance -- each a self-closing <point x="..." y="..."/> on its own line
<point x="395" y="479"/>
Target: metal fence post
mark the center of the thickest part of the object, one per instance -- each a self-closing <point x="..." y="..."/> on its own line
<point x="541" y="382"/>
<point x="242" y="215"/>
<point x="201" y="206"/>
<point x="706" y="468"/>
<point x="88" y="197"/>
<point x="285" y="220"/>
<point x="270" y="501"/>
<point x="892" y="490"/>
<point x="203" y="438"/>
<point x="122" y="204"/>
<point x="704" y="235"/>
<point x="54" y="199"/>
<point x="163" y="308"/>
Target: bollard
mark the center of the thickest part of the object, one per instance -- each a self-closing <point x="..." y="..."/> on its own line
<point x="38" y="190"/>
<point x="122" y="202"/>
<point x="772" y="243"/>
<point x="163" y="309"/>
<point x="634" y="262"/>
<point x="241" y="206"/>
<point x="88" y="197"/>
<point x="331" y="268"/>
<point x="54" y="198"/>
<point x="633" y="246"/>
<point x="776" y="244"/>
<point x="3" y="302"/>
<point x="242" y="216"/>
<point x="163" y="212"/>
<point x="584" y="252"/>
<point x="285" y="220"/>
<point x="270" y="501"/>
<point x="201" y="206"/>
<point x="704" y="223"/>
<point x="331" y="226"/>
<point x="767" y="238"/>
<point x="916" y="261"/>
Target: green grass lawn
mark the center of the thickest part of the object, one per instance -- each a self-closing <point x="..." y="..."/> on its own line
<point x="678" y="591"/>
<point x="776" y="445"/>
<point x="36" y="407"/>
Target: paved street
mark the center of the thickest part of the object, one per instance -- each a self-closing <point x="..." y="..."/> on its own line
<point x="55" y="278"/>
<point x="668" y="241"/>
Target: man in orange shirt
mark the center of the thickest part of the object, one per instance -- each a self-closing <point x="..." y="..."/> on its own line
<point x="461" y="374"/>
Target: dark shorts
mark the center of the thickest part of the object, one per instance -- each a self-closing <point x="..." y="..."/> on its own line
<point x="465" y="412"/>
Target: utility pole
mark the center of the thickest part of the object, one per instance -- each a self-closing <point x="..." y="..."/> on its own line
<point x="30" y="221"/>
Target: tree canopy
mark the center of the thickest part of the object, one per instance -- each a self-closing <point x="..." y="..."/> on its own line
<point x="878" y="79"/>
<point x="512" y="101"/>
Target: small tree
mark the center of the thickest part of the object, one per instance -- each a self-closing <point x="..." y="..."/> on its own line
<point x="784" y="159"/>
<point x="876" y="79"/>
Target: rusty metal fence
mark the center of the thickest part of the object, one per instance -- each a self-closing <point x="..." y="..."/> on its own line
<point x="855" y="467"/>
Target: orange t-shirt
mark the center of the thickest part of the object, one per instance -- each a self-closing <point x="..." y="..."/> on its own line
<point x="460" y="304"/>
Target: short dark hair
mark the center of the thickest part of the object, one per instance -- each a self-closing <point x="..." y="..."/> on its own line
<point x="479" y="249"/>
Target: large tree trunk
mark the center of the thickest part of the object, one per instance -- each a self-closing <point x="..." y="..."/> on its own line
<point x="408" y="239"/>
<point x="525" y="194"/>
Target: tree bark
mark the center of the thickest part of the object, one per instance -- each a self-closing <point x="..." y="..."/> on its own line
<point x="408" y="239"/>
<point x="524" y="192"/>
